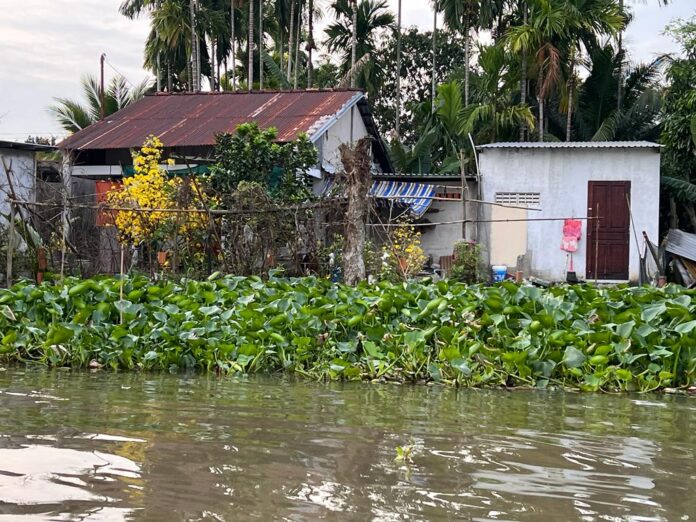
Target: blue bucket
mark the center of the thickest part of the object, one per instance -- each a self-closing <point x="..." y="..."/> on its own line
<point x="499" y="273"/>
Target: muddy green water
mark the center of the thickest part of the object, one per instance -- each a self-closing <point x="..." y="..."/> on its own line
<point x="80" y="446"/>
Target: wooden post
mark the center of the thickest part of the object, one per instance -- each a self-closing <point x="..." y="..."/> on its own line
<point x="596" y="251"/>
<point x="464" y="193"/>
<point x="10" y="244"/>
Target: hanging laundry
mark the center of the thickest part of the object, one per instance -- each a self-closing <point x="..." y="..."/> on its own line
<point x="572" y="232"/>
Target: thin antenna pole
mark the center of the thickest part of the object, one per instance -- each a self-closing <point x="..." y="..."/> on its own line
<point x="101" y="86"/>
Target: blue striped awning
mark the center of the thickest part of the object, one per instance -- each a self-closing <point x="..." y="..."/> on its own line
<point x="417" y="196"/>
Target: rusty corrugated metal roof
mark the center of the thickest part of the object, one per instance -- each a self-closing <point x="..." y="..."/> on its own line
<point x="189" y="120"/>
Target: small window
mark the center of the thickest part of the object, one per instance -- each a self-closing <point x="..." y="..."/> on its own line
<point x="519" y="199"/>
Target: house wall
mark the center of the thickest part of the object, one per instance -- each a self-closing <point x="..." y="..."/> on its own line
<point x="561" y="178"/>
<point x="349" y="128"/>
<point x="439" y="241"/>
<point x="22" y="168"/>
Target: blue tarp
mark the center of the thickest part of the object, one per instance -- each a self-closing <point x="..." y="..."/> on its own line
<point x="417" y="196"/>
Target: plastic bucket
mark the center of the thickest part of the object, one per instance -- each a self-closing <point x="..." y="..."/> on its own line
<point x="499" y="273"/>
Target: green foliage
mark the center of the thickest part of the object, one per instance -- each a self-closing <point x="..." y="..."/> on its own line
<point x="373" y="16"/>
<point x="252" y="154"/>
<point x="416" y="78"/>
<point x="616" y="338"/>
<point x="467" y="263"/>
<point x="75" y="115"/>
<point x="679" y="153"/>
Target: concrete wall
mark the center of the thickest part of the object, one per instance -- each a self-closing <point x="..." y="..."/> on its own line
<point x="561" y="177"/>
<point x="22" y="167"/>
<point x="439" y="241"/>
<point x="349" y="128"/>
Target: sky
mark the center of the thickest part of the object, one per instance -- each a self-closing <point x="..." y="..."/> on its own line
<point x="46" y="46"/>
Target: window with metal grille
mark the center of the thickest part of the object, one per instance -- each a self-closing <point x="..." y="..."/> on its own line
<point x="520" y="199"/>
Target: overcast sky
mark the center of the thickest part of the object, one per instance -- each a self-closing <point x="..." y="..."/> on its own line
<point x="47" y="45"/>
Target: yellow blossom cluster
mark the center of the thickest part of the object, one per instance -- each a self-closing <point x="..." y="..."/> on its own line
<point x="152" y="195"/>
<point x="403" y="250"/>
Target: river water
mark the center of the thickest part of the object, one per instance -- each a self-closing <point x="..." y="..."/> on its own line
<point x="104" y="446"/>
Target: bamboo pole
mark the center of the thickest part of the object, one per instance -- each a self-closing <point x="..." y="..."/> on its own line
<point x="10" y="245"/>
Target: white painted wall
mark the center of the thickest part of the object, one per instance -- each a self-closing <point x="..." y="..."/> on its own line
<point x="21" y="166"/>
<point x="346" y="130"/>
<point x="561" y="176"/>
<point x="439" y="241"/>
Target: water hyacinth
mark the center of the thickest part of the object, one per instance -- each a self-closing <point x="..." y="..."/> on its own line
<point x="584" y="337"/>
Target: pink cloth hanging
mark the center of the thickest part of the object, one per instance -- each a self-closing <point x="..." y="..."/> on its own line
<point x="572" y="232"/>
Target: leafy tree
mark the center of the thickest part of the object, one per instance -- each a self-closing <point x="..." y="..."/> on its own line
<point x="253" y="155"/>
<point x="679" y="124"/>
<point x="416" y="79"/>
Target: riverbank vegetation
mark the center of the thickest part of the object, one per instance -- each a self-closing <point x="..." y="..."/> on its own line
<point x="609" y="339"/>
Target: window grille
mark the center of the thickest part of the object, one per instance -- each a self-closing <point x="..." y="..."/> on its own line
<point x="519" y="199"/>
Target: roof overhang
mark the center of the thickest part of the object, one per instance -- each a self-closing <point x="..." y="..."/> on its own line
<point x="32" y="147"/>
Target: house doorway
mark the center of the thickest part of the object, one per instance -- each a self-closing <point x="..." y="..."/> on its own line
<point x="608" y="238"/>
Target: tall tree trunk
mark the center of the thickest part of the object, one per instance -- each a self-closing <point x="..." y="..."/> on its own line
<point x="250" y="45"/>
<point x="195" y="71"/>
<point x="212" y="65"/>
<point x="619" y="93"/>
<point x="467" y="59"/>
<point x="356" y="164"/>
<point x="397" y="125"/>
<point x="261" y="45"/>
<point x="569" y="118"/>
<point x="310" y="44"/>
<point x="169" y="75"/>
<point x="434" y="86"/>
<point x="691" y="212"/>
<point x="282" y="51"/>
<point x="297" y="47"/>
<point x="354" y="43"/>
<point x="291" y="37"/>
<point x="523" y="79"/>
<point x="673" y="214"/>
<point x="233" y="45"/>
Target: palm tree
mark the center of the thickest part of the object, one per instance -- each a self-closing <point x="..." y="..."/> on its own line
<point x="398" y="74"/>
<point x="599" y="118"/>
<point x="75" y="115"/>
<point x="587" y="20"/>
<point x="365" y="23"/>
<point x="462" y="16"/>
<point x="493" y="109"/>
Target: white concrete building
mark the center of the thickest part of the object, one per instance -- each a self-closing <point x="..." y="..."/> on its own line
<point x="618" y="182"/>
<point x="18" y="168"/>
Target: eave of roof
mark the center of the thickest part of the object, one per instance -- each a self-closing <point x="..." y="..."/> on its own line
<point x="33" y="147"/>
<point x="571" y="145"/>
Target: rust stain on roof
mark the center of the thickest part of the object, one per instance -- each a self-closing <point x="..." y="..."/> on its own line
<point x="186" y="120"/>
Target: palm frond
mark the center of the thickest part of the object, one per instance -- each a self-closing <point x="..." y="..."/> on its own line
<point x="274" y="71"/>
<point x="681" y="189"/>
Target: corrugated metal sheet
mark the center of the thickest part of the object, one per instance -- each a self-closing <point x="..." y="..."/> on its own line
<point x="189" y="120"/>
<point x="571" y="145"/>
<point x="681" y="244"/>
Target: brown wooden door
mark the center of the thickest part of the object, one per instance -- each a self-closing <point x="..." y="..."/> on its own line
<point x="608" y="238"/>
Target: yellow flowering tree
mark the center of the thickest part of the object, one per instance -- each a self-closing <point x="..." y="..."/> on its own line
<point x="402" y="254"/>
<point x="153" y="196"/>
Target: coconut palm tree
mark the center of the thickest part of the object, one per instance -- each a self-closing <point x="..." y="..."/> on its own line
<point x="398" y="73"/>
<point x="362" y="27"/>
<point x="462" y="16"/>
<point x="74" y="115"/>
<point x="250" y="46"/>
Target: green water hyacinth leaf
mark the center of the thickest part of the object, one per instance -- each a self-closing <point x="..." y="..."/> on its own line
<point x="461" y="366"/>
<point x="505" y="335"/>
<point x="573" y="358"/>
<point x="686" y="328"/>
